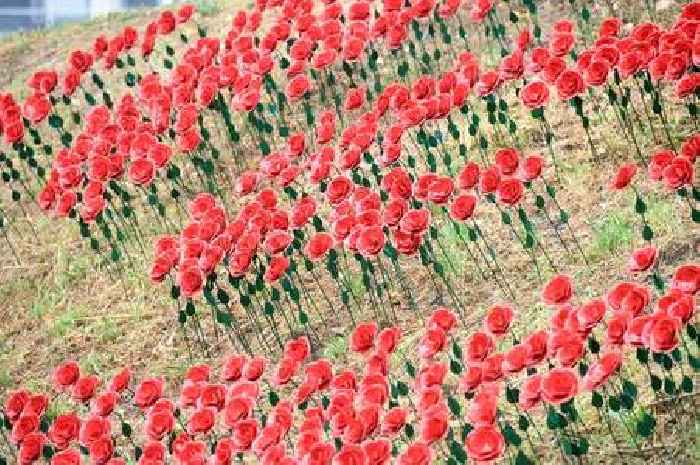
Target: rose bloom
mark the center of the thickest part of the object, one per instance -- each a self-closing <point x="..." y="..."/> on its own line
<point x="623" y="177"/>
<point x="642" y="259"/>
<point x="559" y="385"/>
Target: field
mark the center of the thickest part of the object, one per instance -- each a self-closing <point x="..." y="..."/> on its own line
<point x="60" y="300"/>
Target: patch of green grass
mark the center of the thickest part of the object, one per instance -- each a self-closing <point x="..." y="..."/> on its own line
<point x="611" y="233"/>
<point x="6" y="381"/>
<point x="662" y="215"/>
<point x="336" y="348"/>
<point x="62" y="324"/>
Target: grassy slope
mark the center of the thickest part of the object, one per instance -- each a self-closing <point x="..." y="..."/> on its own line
<point x="56" y="305"/>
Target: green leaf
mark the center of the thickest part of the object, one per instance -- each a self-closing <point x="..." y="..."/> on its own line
<point x="555" y="420"/>
<point x="614" y="403"/>
<point x="457" y="451"/>
<point x="639" y="206"/>
<point x="596" y="399"/>
<point x="303" y="318"/>
<point x="410" y="369"/>
<point x="126" y="429"/>
<point x="669" y="386"/>
<point x="687" y="384"/>
<point x="522" y="459"/>
<point x="629" y="388"/>
<point x="455" y="367"/>
<point x="505" y="217"/>
<point x="454" y="406"/>
<point x="511" y="436"/>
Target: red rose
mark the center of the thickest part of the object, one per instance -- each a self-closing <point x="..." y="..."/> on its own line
<point x="338" y="189"/>
<point x="148" y="392"/>
<point x="569" y="84"/>
<point x="66" y="374"/>
<point x="561" y="43"/>
<point x="510" y="191"/>
<point x="362" y="338"/>
<point x="394" y="421"/>
<point x="600" y="371"/>
<point x="284" y="371"/>
<point x="355" y="98"/>
<point x="658" y="162"/>
<point x="36" y="107"/>
<point x="201" y="421"/>
<point x="609" y="27"/>
<point x="377" y="451"/>
<point x="297" y="87"/>
<point x="624" y="176"/>
<point x="243" y="434"/>
<point x="15" y="403"/>
<point x="691" y="148"/>
<point x="84" y="388"/>
<point x="185" y="13"/>
<point x="31" y="448"/>
<point x="371" y="240"/>
<point x="489" y="180"/>
<point x="591" y="313"/>
<point x="487" y="84"/>
<point x="254" y="368"/>
<point x="559" y="385"/>
<point x="27" y="423"/>
<point x="485" y="443"/>
<point x="318" y="246"/>
<point x="190" y="280"/>
<point x="663" y="334"/>
<point x="498" y="319"/>
<point x="350" y="454"/>
<point x="442" y="318"/>
<point x="103" y="404"/>
<point x="531" y="168"/>
<point x="558" y="290"/>
<point x="159" y="424"/>
<point x="64" y="430"/>
<point x="478" y="346"/>
<point x="629" y="63"/>
<point x="678" y="172"/>
<point x="469" y="176"/>
<point x="238" y="408"/>
<point x="530" y="392"/>
<point x="440" y="190"/>
<point x="553" y="68"/>
<point x="93" y="429"/>
<point x="462" y="207"/>
<point x="686" y="279"/>
<point x="388" y="339"/>
<point x="142" y="171"/>
<point x="433" y="425"/>
<point x="616" y="329"/>
<point x="298" y="349"/>
<point x="189" y="140"/>
<point x="66" y="457"/>
<point x="596" y="74"/>
<point x="416" y="453"/>
<point x="166" y="22"/>
<point x="492" y="368"/>
<point x="483" y="408"/>
<point x="507" y="160"/>
<point x="233" y="368"/>
<point x="101" y="450"/>
<point x="432" y="342"/>
<point x="642" y="259"/>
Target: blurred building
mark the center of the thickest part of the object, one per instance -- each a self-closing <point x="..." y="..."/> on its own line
<point x="18" y="15"/>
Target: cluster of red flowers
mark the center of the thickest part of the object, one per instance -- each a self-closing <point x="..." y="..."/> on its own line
<point x="303" y="410"/>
